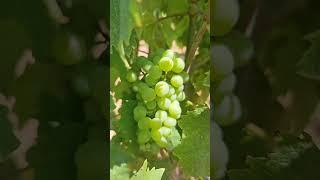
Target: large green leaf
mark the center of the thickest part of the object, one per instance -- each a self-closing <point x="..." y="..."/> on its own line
<point x="194" y="150"/>
<point x="121" y="22"/>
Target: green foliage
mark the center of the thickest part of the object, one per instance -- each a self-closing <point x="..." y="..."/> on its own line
<point x="194" y="148"/>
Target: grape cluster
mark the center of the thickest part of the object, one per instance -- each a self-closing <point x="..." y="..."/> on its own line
<point x="225" y="58"/>
<point x="159" y="91"/>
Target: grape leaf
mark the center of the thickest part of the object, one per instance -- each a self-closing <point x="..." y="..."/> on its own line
<point x="121" y="22"/>
<point x="121" y="172"/>
<point x="118" y="155"/>
<point x="9" y="141"/>
<point x="195" y="147"/>
<point x="145" y="174"/>
<point x="309" y="65"/>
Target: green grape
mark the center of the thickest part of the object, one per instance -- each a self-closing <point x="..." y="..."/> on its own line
<point x="222" y="59"/>
<point x="227" y="84"/>
<point x="162" y="115"/>
<point x="151" y="112"/>
<point x="144" y="123"/>
<point x="185" y="76"/>
<point x="156" y="135"/>
<point x="181" y="96"/>
<point x="179" y="89"/>
<point x="148" y="94"/>
<point x="135" y="88"/>
<point x="170" y="122"/>
<point x="151" y="105"/>
<point x="173" y="97"/>
<point x="169" y="53"/>
<point x="142" y="86"/>
<point x="178" y="65"/>
<point x="139" y="112"/>
<point x="131" y="76"/>
<point x="166" y="64"/>
<point x="155" y="72"/>
<point x="176" y="81"/>
<point x="164" y="103"/>
<point x="175" y="110"/>
<point x="225" y="14"/>
<point x="171" y="91"/>
<point x="162" y="142"/>
<point x="147" y="66"/>
<point x="143" y="136"/>
<point x="81" y="86"/>
<point x="155" y="123"/>
<point x="162" y="89"/>
<point x="150" y="80"/>
<point x="165" y="131"/>
<point x="228" y="111"/>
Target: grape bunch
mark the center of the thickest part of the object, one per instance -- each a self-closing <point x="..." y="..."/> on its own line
<point x="158" y="82"/>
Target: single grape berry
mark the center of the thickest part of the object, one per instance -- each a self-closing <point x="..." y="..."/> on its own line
<point x="139" y="112"/>
<point x="173" y="97"/>
<point x="168" y="53"/>
<point x="170" y="122"/>
<point x="150" y="80"/>
<point x="176" y="81"/>
<point x="148" y="94"/>
<point x="162" y="89"/>
<point x="181" y="96"/>
<point x="156" y="135"/>
<point x="175" y="110"/>
<point x="165" y="131"/>
<point x="178" y="65"/>
<point x="166" y="64"/>
<point x="171" y="91"/>
<point x="144" y="123"/>
<point x="162" y="115"/>
<point x="155" y="123"/>
<point x="155" y="72"/>
<point x="156" y="59"/>
<point x="131" y="76"/>
<point x="151" y="105"/>
<point x="185" y="76"/>
<point x="163" y="103"/>
<point x="179" y="89"/>
<point x="162" y="142"/>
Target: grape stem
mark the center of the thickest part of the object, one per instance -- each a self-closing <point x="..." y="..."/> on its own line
<point x="167" y="17"/>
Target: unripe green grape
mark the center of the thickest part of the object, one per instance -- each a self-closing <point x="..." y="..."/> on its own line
<point x="144" y="123"/>
<point x="151" y="105"/>
<point x="227" y="84"/>
<point x="162" y="115"/>
<point x="222" y="59"/>
<point x="144" y="63"/>
<point x="166" y="64"/>
<point x="148" y="94"/>
<point x="143" y="136"/>
<point x="155" y="123"/>
<point x="165" y="131"/>
<point x="156" y="135"/>
<point x="151" y="112"/>
<point x="162" y="142"/>
<point x="170" y="122"/>
<point x="225" y="15"/>
<point x="176" y="81"/>
<point x="178" y="65"/>
<point x="171" y="91"/>
<point x="163" y="103"/>
<point x="150" y="81"/>
<point x="131" y="76"/>
<point x="175" y="110"/>
<point x="155" y="72"/>
<point x="162" y="89"/>
<point x="142" y="86"/>
<point x="228" y="111"/>
<point x="185" y="76"/>
<point x="173" y="97"/>
<point x="181" y="96"/>
<point x="135" y="88"/>
<point x="179" y="89"/>
<point x="169" y="53"/>
<point x="139" y="112"/>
